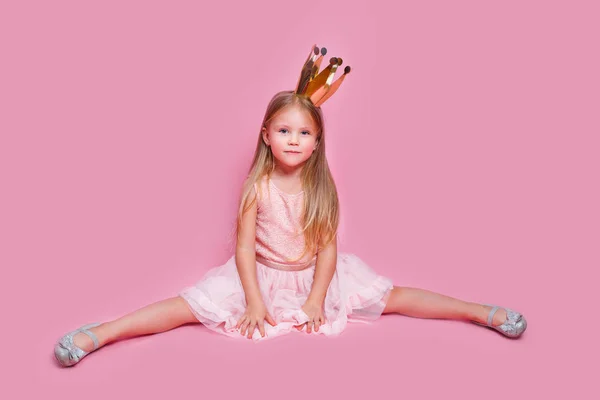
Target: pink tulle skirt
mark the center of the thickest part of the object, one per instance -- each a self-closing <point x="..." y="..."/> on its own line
<point x="356" y="294"/>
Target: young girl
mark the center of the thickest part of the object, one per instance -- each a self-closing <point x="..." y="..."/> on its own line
<point x="287" y="274"/>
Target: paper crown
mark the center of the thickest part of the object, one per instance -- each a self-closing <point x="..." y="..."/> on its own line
<point x="319" y="87"/>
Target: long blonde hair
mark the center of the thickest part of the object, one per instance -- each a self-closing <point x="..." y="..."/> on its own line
<point x="320" y="217"/>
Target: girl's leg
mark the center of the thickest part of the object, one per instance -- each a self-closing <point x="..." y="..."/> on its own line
<point x="157" y="317"/>
<point x="423" y="303"/>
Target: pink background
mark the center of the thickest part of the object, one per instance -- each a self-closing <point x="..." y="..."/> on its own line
<point x="465" y="148"/>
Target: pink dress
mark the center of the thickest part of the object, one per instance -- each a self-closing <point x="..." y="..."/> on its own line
<point x="356" y="292"/>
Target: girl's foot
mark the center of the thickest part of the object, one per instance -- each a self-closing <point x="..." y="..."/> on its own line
<point x="84" y="342"/>
<point x="499" y="316"/>
<point x="68" y="351"/>
<point x="504" y="320"/>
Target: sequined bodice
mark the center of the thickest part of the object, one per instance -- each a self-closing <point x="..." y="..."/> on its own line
<point x="278" y="226"/>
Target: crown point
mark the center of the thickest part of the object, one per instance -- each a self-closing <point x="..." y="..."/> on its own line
<point x="320" y="86"/>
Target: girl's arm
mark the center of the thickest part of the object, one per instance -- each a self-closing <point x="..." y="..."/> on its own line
<point x="245" y="253"/>
<point x="324" y="270"/>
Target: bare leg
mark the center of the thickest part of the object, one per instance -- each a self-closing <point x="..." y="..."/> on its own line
<point x="154" y="318"/>
<point x="423" y="303"/>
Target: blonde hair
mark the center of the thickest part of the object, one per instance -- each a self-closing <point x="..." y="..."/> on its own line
<point x="320" y="217"/>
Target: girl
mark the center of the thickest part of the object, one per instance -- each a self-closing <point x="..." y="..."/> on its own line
<point x="286" y="274"/>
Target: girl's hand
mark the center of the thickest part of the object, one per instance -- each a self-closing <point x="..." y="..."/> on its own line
<point x="315" y="316"/>
<point x="255" y="315"/>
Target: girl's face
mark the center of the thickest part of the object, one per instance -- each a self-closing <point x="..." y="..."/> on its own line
<point x="292" y="136"/>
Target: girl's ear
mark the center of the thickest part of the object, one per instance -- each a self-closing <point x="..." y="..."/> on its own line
<point x="265" y="136"/>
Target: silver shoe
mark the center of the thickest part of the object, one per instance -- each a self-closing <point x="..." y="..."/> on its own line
<point x="513" y="327"/>
<point x="65" y="351"/>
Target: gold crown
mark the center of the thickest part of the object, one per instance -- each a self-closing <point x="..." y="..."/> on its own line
<point x="319" y="88"/>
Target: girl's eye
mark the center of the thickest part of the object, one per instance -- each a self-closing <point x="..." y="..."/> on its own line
<point x="283" y="129"/>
